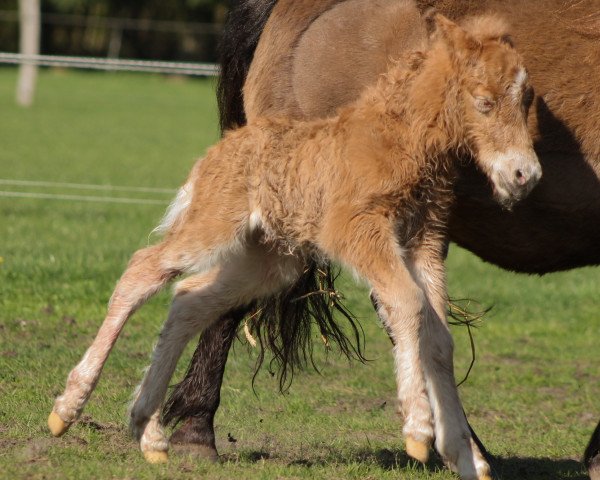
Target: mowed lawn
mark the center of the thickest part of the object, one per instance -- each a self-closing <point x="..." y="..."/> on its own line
<point x="533" y="395"/>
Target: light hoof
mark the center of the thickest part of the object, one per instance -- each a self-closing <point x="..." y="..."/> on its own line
<point x="57" y="425"/>
<point x="417" y="450"/>
<point x="156" y="456"/>
<point x="485" y="477"/>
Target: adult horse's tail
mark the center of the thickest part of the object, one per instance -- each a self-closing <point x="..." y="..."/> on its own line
<point x="244" y="25"/>
<point x="282" y="323"/>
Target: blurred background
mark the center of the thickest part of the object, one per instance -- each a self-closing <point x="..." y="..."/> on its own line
<point x="154" y="29"/>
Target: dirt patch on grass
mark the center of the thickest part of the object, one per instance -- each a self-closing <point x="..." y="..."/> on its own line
<point x="34" y="450"/>
<point x="7" y="443"/>
<point x="88" y="422"/>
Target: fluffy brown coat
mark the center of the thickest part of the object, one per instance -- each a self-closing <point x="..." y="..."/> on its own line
<point x="370" y="188"/>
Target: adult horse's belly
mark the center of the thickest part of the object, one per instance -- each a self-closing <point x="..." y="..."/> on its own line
<point x="327" y="57"/>
<point x="556" y="228"/>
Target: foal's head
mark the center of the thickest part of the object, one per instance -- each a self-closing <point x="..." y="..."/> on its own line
<point x="493" y="99"/>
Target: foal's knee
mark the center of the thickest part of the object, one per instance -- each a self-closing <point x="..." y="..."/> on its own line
<point x="404" y="310"/>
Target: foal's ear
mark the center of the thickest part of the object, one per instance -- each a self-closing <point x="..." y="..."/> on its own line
<point x="488" y="27"/>
<point x="458" y="40"/>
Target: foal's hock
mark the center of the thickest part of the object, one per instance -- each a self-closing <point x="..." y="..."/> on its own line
<point x="370" y="188"/>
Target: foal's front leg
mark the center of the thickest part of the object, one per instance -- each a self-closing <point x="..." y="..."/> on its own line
<point x="367" y="244"/>
<point x="412" y="392"/>
<point x="423" y="345"/>
<point x="426" y="265"/>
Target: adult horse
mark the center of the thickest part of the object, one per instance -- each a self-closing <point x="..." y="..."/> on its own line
<point x="315" y="55"/>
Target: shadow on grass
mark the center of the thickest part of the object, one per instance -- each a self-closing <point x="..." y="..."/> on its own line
<point x="512" y="468"/>
<point x="384" y="458"/>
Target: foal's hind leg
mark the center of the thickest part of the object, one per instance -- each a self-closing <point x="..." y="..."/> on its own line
<point x="200" y="301"/>
<point x="144" y="277"/>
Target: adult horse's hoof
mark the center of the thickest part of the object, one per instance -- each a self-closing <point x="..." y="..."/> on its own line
<point x="57" y="425"/>
<point x="485" y="477"/>
<point x="156" y="456"/>
<point x="195" y="438"/>
<point x="202" y="452"/>
<point x="417" y="450"/>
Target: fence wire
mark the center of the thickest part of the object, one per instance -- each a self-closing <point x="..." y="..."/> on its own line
<point x="111" y="64"/>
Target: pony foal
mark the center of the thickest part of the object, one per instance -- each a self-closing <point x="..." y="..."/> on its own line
<point x="370" y="188"/>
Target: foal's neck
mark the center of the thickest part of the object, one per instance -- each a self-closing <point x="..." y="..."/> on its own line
<point x="420" y="105"/>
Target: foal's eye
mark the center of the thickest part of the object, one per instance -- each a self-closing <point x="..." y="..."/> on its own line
<point x="484" y="104"/>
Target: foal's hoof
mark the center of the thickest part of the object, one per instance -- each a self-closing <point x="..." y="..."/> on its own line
<point x="418" y="450"/>
<point x="57" y="425"/>
<point x="156" y="456"/>
<point x="485" y="477"/>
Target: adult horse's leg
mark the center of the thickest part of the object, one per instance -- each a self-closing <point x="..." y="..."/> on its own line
<point x="592" y="455"/>
<point x="196" y="399"/>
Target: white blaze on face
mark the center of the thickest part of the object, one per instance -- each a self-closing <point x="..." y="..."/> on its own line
<point x="519" y="82"/>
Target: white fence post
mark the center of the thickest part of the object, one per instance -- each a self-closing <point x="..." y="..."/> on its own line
<point x="29" y="44"/>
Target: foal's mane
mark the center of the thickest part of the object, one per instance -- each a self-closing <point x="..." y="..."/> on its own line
<point x="482" y="28"/>
<point x="446" y="56"/>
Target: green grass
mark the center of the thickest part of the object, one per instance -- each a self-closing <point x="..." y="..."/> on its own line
<point x="532" y="396"/>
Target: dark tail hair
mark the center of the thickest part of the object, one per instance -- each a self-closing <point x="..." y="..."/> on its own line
<point x="282" y="322"/>
<point x="244" y="25"/>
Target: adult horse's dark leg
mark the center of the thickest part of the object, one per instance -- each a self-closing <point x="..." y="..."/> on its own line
<point x="592" y="455"/>
<point x="196" y="399"/>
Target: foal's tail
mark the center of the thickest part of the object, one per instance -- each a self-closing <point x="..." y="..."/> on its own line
<point x="176" y="209"/>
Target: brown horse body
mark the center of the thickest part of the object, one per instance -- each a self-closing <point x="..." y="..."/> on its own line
<point x="317" y="65"/>
<point x="314" y="56"/>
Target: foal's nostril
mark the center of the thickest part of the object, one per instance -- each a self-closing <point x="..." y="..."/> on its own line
<point x="521" y="178"/>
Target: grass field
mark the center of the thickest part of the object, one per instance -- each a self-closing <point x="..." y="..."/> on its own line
<point x="532" y="396"/>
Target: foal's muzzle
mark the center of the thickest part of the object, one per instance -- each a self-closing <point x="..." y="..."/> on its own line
<point x="513" y="175"/>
